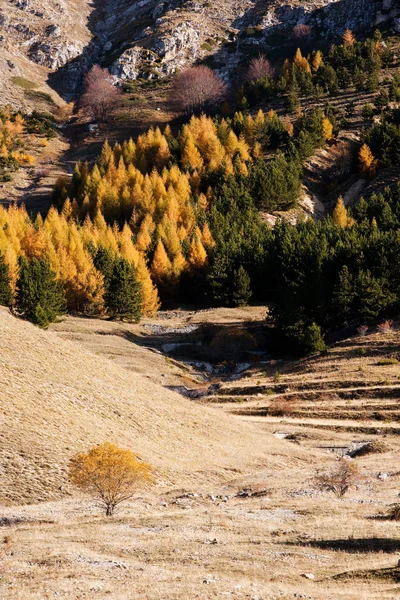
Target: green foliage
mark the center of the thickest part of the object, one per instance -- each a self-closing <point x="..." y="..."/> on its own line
<point x="104" y="261"/>
<point x="312" y="339"/>
<point x="5" y="288"/>
<point x="40" y="298"/>
<point x="323" y="275"/>
<point x="241" y="287"/>
<point x="41" y="123"/>
<point x="123" y="292"/>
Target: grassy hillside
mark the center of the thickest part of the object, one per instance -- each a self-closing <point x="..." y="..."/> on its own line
<point x="57" y="399"/>
<point x="237" y="513"/>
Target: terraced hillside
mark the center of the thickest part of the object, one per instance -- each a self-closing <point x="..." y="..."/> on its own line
<point x="351" y="394"/>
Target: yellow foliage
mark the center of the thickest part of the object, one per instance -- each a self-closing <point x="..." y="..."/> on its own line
<point x="197" y="254"/>
<point x="317" y="61"/>
<point x="161" y="265"/>
<point x="327" y="129"/>
<point x="339" y="215"/>
<point x="109" y="474"/>
<point x="367" y="161"/>
<point x="191" y="157"/>
<point x="348" y="38"/>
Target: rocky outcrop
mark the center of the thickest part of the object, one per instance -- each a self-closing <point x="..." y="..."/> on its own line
<point x="55" y="55"/>
<point x="166" y="54"/>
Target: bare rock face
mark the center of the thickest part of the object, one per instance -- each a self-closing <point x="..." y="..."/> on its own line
<point x="54" y="55"/>
<point x="181" y="45"/>
<point x="134" y="63"/>
<point x="153" y="38"/>
<point x="166" y="54"/>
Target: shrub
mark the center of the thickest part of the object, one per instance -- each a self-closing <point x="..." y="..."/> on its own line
<point x="109" y="474"/>
<point x="259" y="68"/>
<point x="301" y="30"/>
<point x="283" y="407"/>
<point x="232" y="344"/>
<point x="339" y="479"/>
<point x="394" y="512"/>
<point x="362" y="330"/>
<point x="385" y="327"/>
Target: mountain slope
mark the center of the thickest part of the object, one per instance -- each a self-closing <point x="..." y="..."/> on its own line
<point x="56" y="399"/>
<point x="52" y="44"/>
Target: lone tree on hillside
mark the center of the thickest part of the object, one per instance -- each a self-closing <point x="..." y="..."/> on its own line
<point x="40" y="298"/>
<point x="259" y="68"/>
<point x="340" y="479"/>
<point x="109" y="474"/>
<point x="196" y="89"/>
<point x="100" y="97"/>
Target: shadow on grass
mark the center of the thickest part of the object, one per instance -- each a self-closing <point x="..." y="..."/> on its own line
<point x="359" y="545"/>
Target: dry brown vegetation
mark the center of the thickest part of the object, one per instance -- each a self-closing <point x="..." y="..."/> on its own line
<point x="235" y="513"/>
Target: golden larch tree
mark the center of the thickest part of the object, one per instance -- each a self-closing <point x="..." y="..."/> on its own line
<point x="327" y="129"/>
<point x="339" y="215"/>
<point x="367" y="161"/>
<point x="348" y="38"/>
<point x="316" y="61"/>
<point x="109" y="474"/>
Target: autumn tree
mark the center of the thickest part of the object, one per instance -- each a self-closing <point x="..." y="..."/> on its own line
<point x="259" y="68"/>
<point x="339" y="479"/>
<point x="196" y="89"/>
<point x="348" y="38"/>
<point x="40" y="297"/>
<point x="327" y="129"/>
<point x="100" y="96"/>
<point x="109" y="474"/>
<point x="339" y="215"/>
<point x="367" y="161"/>
<point x="301" y="30"/>
<point x="316" y="61"/>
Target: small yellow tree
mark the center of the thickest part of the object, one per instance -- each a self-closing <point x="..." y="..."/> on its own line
<point x="368" y="162"/>
<point x="348" y="38"/>
<point x="339" y="215"/>
<point x="109" y="474"/>
<point x="316" y="61"/>
<point x="327" y="129"/>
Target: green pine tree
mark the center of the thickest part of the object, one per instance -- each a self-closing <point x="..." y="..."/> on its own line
<point x="343" y="295"/>
<point x="5" y="288"/>
<point x="218" y="280"/>
<point x="123" y="295"/>
<point x="40" y="297"/>
<point x="241" y="287"/>
<point x="104" y="262"/>
<point x="313" y="340"/>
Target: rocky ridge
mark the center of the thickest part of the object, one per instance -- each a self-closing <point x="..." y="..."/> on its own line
<point x="152" y="39"/>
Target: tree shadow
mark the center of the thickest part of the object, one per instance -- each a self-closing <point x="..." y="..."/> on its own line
<point x="358" y="545"/>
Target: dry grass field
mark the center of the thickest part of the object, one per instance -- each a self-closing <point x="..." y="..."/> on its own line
<point x="234" y="512"/>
